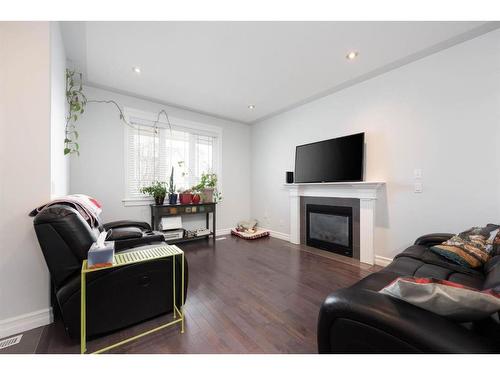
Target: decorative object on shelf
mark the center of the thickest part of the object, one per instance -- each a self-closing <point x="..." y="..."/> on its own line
<point x="172" y="195"/>
<point x="185" y="197"/>
<point x="207" y="195"/>
<point x="77" y="101"/>
<point x="190" y="234"/>
<point x="196" y="198"/>
<point x="202" y="232"/>
<point x="157" y="190"/>
<point x="172" y="198"/>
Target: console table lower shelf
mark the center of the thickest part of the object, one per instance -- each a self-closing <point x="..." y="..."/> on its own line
<point x="127" y="258"/>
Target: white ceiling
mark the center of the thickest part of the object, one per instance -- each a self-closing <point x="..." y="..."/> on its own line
<point x="220" y="68"/>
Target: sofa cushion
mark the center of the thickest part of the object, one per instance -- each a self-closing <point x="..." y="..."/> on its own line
<point x="419" y="261"/>
<point x="425" y="255"/>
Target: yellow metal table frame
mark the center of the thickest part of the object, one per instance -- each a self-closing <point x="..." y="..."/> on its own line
<point x="124" y="259"/>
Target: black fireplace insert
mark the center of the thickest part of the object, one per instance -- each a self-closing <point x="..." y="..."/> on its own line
<point x="329" y="228"/>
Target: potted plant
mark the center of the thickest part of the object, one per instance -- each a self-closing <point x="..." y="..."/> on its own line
<point x="172" y="195"/>
<point x="157" y="190"/>
<point x="185" y="196"/>
<point x="196" y="198"/>
<point x="207" y="186"/>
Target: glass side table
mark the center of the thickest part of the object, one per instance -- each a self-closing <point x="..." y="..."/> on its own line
<point x="124" y="259"/>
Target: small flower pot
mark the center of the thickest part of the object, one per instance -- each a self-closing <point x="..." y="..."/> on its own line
<point x="172" y="198"/>
<point x="159" y="200"/>
<point x="196" y="198"/>
<point x="185" y="198"/>
<point x="208" y="195"/>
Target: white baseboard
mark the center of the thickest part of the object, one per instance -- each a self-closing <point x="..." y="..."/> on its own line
<point x="281" y="236"/>
<point x="382" y="261"/>
<point x="223" y="232"/>
<point x="25" y="322"/>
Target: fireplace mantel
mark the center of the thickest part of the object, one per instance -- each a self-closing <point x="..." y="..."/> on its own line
<point x="365" y="191"/>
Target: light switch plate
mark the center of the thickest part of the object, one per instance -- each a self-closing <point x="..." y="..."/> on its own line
<point x="417" y="188"/>
<point x="417" y="173"/>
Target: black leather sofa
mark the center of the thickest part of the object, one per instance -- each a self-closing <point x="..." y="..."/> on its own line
<point x="358" y="319"/>
<point x="116" y="298"/>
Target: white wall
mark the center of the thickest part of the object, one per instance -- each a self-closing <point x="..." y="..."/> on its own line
<point x="99" y="170"/>
<point x="25" y="175"/>
<point x="59" y="167"/>
<point x="440" y="114"/>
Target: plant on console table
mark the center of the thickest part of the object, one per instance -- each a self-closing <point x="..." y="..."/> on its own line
<point x="172" y="195"/>
<point x="196" y="197"/>
<point x="157" y="190"/>
<point x="208" y="188"/>
<point x="185" y="196"/>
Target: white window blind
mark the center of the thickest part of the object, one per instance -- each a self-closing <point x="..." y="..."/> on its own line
<point x="152" y="151"/>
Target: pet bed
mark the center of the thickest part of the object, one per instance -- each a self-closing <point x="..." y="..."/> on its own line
<point x="250" y="236"/>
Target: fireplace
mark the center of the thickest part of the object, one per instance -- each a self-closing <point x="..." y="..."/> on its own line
<point x="329" y="227"/>
<point x="360" y="196"/>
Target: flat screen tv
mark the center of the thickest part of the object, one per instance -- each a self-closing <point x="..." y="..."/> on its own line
<point x="333" y="160"/>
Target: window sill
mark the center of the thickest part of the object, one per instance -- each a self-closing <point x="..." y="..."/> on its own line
<point x="132" y="202"/>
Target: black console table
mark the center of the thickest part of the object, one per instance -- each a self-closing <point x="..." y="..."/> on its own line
<point x="158" y="211"/>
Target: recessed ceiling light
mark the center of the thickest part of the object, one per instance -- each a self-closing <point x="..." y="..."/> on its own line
<point x="136" y="69"/>
<point x="352" y="55"/>
<point x="251" y="106"/>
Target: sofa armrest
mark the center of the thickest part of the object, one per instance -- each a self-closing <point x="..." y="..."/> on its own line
<point x="364" y="321"/>
<point x="127" y="223"/>
<point x="433" y="239"/>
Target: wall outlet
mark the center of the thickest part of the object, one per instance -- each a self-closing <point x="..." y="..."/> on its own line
<point x="417" y="187"/>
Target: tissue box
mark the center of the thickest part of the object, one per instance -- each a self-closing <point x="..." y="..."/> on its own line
<point x="101" y="256"/>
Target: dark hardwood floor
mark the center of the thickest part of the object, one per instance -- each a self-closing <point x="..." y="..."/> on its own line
<point x="259" y="296"/>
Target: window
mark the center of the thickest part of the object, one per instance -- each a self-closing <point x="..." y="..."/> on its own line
<point x="150" y="152"/>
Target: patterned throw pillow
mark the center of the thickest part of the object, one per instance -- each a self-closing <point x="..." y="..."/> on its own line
<point x="471" y="248"/>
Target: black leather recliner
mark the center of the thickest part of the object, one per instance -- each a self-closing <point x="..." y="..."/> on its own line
<point x="116" y="298"/>
<point x="358" y="319"/>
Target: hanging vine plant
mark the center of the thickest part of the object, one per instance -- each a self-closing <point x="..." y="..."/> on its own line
<point x="76" y="106"/>
<point x="77" y="102"/>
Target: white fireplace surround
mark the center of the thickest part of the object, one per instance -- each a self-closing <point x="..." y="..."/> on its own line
<point x="366" y="192"/>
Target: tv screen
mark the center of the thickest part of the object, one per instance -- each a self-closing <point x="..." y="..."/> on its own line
<point x="333" y="160"/>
